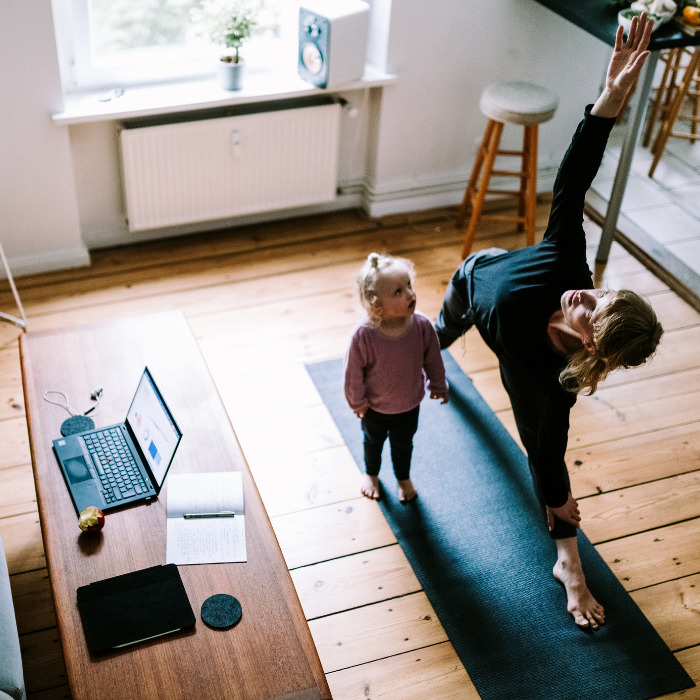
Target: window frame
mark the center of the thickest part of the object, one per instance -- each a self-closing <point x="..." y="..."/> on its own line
<point x="155" y="65"/>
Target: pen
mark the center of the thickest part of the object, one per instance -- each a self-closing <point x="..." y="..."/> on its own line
<point x="222" y="514"/>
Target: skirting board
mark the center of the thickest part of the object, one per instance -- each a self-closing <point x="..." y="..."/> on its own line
<point x="47" y="261"/>
<point x="399" y="199"/>
<point x="107" y="238"/>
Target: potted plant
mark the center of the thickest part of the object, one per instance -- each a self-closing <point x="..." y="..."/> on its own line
<point x="232" y="23"/>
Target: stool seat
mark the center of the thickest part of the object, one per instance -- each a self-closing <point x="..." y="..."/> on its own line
<point x="518" y="103"/>
<point x="513" y="102"/>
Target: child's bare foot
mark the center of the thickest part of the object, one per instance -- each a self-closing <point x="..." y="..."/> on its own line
<point x="370" y="487"/>
<point x="407" y="491"/>
<point x="585" y="609"/>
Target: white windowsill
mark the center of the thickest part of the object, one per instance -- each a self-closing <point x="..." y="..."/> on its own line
<point x="201" y="94"/>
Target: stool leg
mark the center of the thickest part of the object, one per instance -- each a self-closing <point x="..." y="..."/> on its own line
<point x="670" y="118"/>
<point x="524" y="180"/>
<point x="530" y="149"/>
<point x="476" y="170"/>
<point x="660" y="100"/>
<point x="478" y="201"/>
<point x="696" y="105"/>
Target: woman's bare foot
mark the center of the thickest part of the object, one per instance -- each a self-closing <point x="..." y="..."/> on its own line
<point x="370" y="487"/>
<point x="407" y="491"/>
<point x="585" y="609"/>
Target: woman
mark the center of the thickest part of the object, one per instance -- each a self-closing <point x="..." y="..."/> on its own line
<point x="554" y="335"/>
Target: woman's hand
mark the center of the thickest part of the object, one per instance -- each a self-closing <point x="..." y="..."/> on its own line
<point x="625" y="66"/>
<point x="360" y="412"/>
<point x="569" y="513"/>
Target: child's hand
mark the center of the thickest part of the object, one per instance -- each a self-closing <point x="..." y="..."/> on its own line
<point x="440" y="395"/>
<point x="360" y="412"/>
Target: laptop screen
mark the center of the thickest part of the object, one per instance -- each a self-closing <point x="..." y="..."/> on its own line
<point x="153" y="427"/>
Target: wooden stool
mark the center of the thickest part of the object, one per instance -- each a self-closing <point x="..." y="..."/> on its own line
<point x="514" y="103"/>
<point x="685" y="90"/>
<point x="675" y="61"/>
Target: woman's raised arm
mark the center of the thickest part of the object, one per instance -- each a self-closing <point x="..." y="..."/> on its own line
<point x="624" y="67"/>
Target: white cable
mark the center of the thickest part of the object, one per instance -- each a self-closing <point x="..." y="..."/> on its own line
<point x="97" y="394"/>
<point x="57" y="403"/>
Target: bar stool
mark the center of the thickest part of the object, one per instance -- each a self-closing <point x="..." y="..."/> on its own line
<point x="685" y="90"/>
<point x="510" y="102"/>
<point x="675" y="61"/>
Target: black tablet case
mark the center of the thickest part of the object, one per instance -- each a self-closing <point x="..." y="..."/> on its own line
<point x="133" y="607"/>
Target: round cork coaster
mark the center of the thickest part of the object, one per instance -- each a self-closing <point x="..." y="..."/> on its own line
<point x="76" y="424"/>
<point x="221" y="611"/>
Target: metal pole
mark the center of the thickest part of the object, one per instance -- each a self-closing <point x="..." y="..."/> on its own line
<point x="637" y="110"/>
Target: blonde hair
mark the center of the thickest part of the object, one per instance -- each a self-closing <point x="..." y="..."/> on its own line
<point x="626" y="334"/>
<point x="368" y="279"/>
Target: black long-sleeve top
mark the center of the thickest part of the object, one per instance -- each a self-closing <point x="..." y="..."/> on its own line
<point x="515" y="294"/>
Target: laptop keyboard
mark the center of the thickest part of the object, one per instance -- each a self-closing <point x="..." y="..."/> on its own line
<point x="120" y="476"/>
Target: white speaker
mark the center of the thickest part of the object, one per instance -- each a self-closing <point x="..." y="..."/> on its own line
<point x="332" y="41"/>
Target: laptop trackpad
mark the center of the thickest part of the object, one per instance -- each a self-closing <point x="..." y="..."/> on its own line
<point x="77" y="470"/>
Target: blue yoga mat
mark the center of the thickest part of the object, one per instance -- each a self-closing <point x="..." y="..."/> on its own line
<point x="477" y="543"/>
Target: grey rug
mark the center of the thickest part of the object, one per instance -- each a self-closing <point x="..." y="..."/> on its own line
<point x="477" y="543"/>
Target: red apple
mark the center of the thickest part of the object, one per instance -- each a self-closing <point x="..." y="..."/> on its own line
<point x="91" y="519"/>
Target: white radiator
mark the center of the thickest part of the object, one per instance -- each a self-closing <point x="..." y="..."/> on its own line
<point x="219" y="168"/>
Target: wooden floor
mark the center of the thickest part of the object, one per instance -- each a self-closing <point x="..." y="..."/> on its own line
<point x="264" y="300"/>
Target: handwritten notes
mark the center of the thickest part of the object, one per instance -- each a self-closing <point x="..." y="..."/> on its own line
<point x="206" y="518"/>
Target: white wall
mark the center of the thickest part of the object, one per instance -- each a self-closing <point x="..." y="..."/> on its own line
<point x="446" y="53"/>
<point x="411" y="147"/>
<point x="39" y="217"/>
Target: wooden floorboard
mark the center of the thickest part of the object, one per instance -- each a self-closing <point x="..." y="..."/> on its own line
<point x="263" y="301"/>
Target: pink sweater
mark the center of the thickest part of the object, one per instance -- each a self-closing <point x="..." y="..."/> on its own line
<point x="389" y="374"/>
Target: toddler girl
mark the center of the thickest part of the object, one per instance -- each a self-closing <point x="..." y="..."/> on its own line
<point x="391" y="353"/>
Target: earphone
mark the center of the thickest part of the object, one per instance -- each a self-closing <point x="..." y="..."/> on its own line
<point x="96" y="396"/>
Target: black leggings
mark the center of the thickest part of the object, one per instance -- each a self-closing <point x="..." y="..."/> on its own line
<point x="400" y="429"/>
<point x="454" y="320"/>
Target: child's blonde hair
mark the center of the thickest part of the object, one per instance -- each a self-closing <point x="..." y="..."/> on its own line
<point x="368" y="279"/>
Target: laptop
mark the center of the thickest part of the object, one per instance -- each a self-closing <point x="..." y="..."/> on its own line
<point x="125" y="462"/>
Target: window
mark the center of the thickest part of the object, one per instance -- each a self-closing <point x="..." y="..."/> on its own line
<point x="111" y="43"/>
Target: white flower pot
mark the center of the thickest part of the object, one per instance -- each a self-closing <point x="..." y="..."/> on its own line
<point x="230" y="75"/>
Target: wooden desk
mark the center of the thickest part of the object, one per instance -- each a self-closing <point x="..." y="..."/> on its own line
<point x="270" y="653"/>
<point x="599" y="18"/>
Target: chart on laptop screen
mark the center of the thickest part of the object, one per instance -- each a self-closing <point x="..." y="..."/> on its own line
<point x="153" y="427"/>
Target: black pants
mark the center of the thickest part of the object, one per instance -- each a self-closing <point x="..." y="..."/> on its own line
<point x="400" y="429"/>
<point x="454" y="320"/>
<point x="526" y="412"/>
